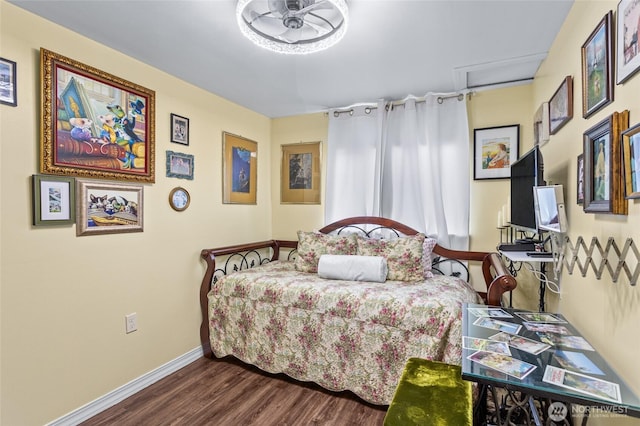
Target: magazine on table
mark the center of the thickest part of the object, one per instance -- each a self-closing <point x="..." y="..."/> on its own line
<point x="539" y="317"/>
<point x="576" y="361"/>
<point x="522" y="343"/>
<point x="582" y="383"/>
<point x="573" y="342"/>
<point x="490" y="312"/>
<point x="485" y="345"/>
<point x="545" y="327"/>
<point x="494" y="324"/>
<point x="503" y="363"/>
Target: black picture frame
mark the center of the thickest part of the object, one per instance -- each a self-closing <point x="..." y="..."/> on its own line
<point x="8" y="81"/>
<point x="489" y="144"/>
<point x="179" y="129"/>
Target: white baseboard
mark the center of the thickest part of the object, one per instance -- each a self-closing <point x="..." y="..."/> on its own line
<point x="112" y="398"/>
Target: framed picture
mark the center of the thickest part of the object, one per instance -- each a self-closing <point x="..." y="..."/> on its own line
<point x="631" y="161"/>
<point x="108" y="208"/>
<point x="240" y="170"/>
<point x="628" y="29"/>
<point x="597" y="66"/>
<point x="179" y="129"/>
<point x="300" y="173"/>
<point x="561" y="105"/>
<point x="603" y="176"/>
<point x="495" y="148"/>
<point x="54" y="200"/>
<point x="8" y="84"/>
<point x="580" y="179"/>
<point x="541" y="125"/>
<point x="180" y="165"/>
<point x="94" y="124"/>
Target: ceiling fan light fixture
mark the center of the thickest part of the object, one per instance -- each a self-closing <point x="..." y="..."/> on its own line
<point x="293" y="26"/>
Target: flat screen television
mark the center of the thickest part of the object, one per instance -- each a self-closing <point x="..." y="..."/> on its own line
<point x="550" y="211"/>
<point x="526" y="173"/>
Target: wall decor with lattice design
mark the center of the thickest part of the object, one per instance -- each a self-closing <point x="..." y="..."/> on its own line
<point x="613" y="259"/>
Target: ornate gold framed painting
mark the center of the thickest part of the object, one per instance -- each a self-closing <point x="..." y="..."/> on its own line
<point x="240" y="170"/>
<point x="300" y="173"/>
<point x="95" y="124"/>
<point x="108" y="208"/>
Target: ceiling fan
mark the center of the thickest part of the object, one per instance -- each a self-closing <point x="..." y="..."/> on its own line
<point x="293" y="26"/>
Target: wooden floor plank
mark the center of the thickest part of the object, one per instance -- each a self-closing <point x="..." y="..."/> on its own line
<point x="228" y="392"/>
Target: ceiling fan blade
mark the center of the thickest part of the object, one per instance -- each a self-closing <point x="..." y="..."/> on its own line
<point x="290" y="36"/>
<point x="321" y="4"/>
<point x="278" y="7"/>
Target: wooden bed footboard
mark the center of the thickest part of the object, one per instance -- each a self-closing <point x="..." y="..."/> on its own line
<point x="243" y="256"/>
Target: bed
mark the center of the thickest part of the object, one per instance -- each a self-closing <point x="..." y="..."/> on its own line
<point x="263" y="304"/>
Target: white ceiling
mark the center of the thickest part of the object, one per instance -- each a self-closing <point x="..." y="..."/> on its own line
<point x="393" y="48"/>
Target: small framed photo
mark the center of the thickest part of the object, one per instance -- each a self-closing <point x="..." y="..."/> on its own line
<point x="300" y="173"/>
<point x="8" y="84"/>
<point x="108" y="208"/>
<point x="561" y="105"/>
<point x="179" y="129"/>
<point x="495" y="148"/>
<point x="180" y="165"/>
<point x="628" y="28"/>
<point x="240" y="170"/>
<point x="54" y="200"/>
<point x="541" y="125"/>
<point x="597" y="67"/>
<point x="631" y="161"/>
<point x="580" y="179"/>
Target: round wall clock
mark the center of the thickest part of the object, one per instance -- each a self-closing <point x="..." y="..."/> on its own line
<point x="179" y="199"/>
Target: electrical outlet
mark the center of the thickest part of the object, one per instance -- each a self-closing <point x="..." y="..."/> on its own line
<point x="131" y="322"/>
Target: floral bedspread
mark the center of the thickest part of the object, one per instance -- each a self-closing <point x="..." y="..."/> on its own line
<point x="342" y="335"/>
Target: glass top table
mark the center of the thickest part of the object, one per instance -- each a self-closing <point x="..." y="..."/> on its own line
<point x="548" y="359"/>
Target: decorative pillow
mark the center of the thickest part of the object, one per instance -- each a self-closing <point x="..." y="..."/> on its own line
<point x="312" y="245"/>
<point x="353" y="268"/>
<point x="404" y="255"/>
<point x="427" y="259"/>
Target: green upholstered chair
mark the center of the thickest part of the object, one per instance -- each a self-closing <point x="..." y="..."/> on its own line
<point x="431" y="393"/>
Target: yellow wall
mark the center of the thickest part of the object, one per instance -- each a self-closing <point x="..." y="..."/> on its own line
<point x="64" y="298"/>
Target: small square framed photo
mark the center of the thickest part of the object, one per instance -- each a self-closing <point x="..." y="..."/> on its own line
<point x="8" y="85"/>
<point x="495" y="148"/>
<point x="179" y="129"/>
<point x="53" y="200"/>
<point x="180" y="165"/>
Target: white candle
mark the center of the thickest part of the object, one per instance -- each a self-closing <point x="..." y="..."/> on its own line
<point x="508" y="218"/>
<point x="504" y="214"/>
<point x="500" y="219"/>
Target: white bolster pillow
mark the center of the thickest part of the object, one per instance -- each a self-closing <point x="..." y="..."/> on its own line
<point x="353" y="268"/>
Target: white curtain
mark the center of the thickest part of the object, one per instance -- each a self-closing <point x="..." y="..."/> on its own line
<point x="353" y="162"/>
<point x="423" y="154"/>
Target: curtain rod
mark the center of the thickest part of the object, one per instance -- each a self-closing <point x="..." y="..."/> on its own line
<point x="368" y="109"/>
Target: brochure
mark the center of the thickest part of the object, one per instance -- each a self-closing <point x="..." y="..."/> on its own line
<point x="485" y="345"/>
<point x="493" y="324"/>
<point x="503" y="363"/>
<point x="546" y="328"/>
<point x="539" y="317"/>
<point x="576" y="361"/>
<point x="522" y="343"/>
<point x="490" y="312"/>
<point x="582" y="383"/>
<point x="574" y="342"/>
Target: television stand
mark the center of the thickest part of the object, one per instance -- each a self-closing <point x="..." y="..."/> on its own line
<point x="522" y="256"/>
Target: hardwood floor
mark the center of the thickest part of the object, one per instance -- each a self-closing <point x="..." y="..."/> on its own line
<point x="228" y="392"/>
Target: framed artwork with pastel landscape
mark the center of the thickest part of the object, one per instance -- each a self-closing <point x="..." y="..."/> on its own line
<point x="94" y="124"/>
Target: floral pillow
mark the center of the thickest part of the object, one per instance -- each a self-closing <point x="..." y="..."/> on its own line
<point x="427" y="258"/>
<point x="312" y="245"/>
<point x="404" y="255"/>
